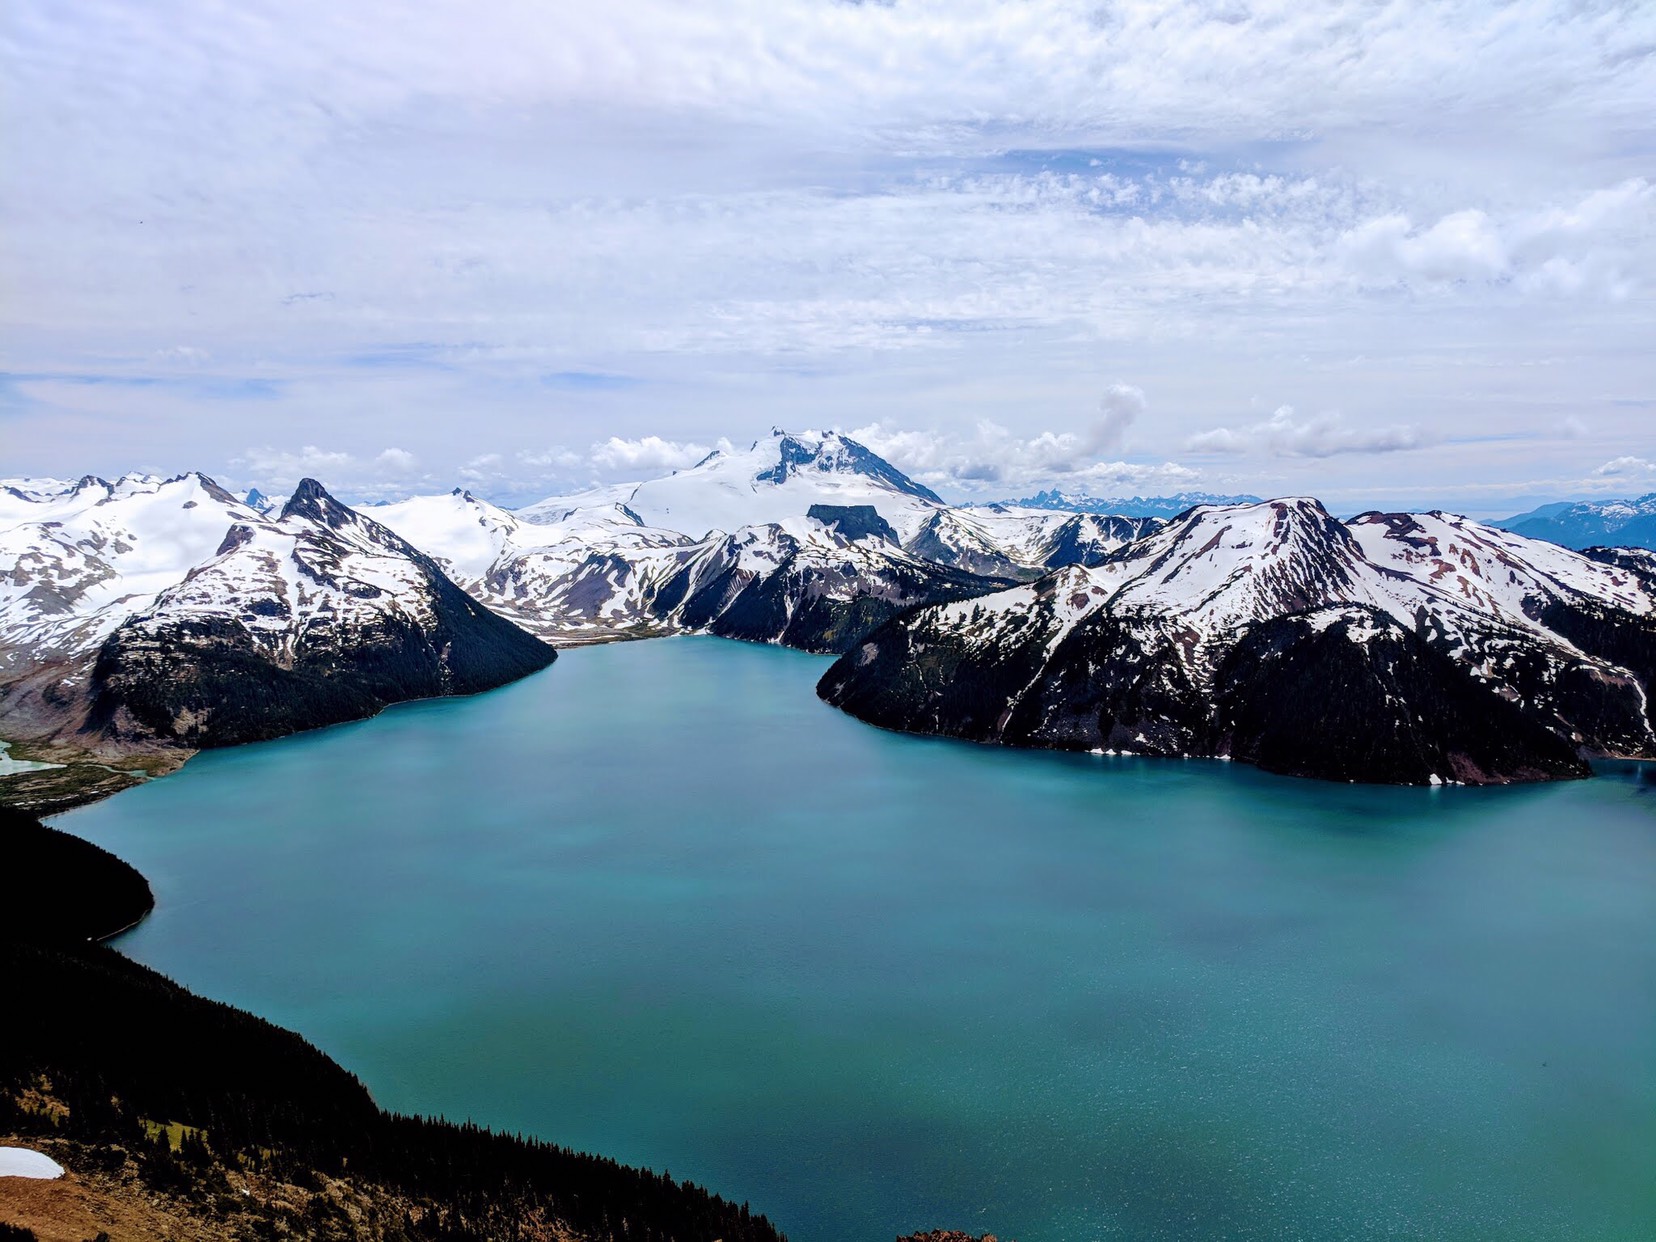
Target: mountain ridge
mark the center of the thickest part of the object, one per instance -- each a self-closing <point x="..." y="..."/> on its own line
<point x="107" y="586"/>
<point x="1590" y="523"/>
<point x="1163" y="649"/>
<point x="1135" y="506"/>
<point x="143" y="620"/>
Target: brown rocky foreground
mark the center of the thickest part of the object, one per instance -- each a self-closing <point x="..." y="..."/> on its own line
<point x="111" y="1194"/>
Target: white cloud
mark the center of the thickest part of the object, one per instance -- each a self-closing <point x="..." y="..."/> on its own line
<point x="1622" y="467"/>
<point x="1219" y="440"/>
<point x="995" y="461"/>
<point x="1287" y="434"/>
<point x="1120" y="407"/>
<point x="557" y="457"/>
<point x="647" y="455"/>
<point x="1598" y="243"/>
<point x="388" y="474"/>
<point x="363" y="219"/>
<point x="281" y="467"/>
<point x="1463" y="245"/>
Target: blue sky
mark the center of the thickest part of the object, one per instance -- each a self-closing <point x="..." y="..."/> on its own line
<point x="1390" y="253"/>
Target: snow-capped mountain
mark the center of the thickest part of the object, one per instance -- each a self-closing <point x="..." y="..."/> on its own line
<point x="164" y="613"/>
<point x="571" y="576"/>
<point x="1090" y="538"/>
<point x="1007" y="542"/>
<point x="789" y="475"/>
<point x="838" y="524"/>
<point x="1175" y="642"/>
<point x="145" y="613"/>
<point x="776" y="478"/>
<point x="1126" y="506"/>
<point x="816" y="581"/>
<point x="80" y="559"/>
<point x="1591" y="523"/>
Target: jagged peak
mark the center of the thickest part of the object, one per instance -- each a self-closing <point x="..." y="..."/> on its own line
<point x="312" y="501"/>
<point x="830" y="452"/>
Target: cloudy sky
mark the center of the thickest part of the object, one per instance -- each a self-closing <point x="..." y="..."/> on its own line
<point x="1388" y="252"/>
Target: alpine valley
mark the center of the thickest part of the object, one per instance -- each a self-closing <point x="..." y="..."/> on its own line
<point x="142" y="619"/>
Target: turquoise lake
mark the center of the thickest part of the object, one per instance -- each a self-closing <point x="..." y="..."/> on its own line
<point x="661" y="903"/>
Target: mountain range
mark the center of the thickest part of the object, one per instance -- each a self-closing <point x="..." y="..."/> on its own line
<point x="143" y="618"/>
<point x="1127" y="506"/>
<point x="1591" y="523"/>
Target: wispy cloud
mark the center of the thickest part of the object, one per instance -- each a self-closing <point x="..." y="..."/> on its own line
<point x="1288" y="434"/>
<point x="480" y="231"/>
<point x="993" y="459"/>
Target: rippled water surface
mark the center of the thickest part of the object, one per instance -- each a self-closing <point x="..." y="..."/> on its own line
<point x="660" y="903"/>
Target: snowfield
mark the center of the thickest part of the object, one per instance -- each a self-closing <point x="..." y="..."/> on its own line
<point x="25" y="1162"/>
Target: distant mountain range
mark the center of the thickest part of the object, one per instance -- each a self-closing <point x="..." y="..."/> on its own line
<point x="1591" y="523"/>
<point x="1133" y="506"/>
<point x="143" y="618"/>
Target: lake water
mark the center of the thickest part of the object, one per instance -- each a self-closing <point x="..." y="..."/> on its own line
<point x="660" y="903"/>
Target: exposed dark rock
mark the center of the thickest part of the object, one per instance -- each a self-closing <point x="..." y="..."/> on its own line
<point x="803" y="595"/>
<point x="206" y="678"/>
<point x="1090" y="539"/>
<point x="854" y="521"/>
<point x="1347" y="696"/>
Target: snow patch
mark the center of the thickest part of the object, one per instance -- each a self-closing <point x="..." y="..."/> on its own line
<point x="25" y="1162"/>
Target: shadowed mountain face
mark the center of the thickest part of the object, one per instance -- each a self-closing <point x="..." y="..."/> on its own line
<point x="806" y="586"/>
<point x="816" y="581"/>
<point x="336" y="621"/>
<point x="1401" y="648"/>
<point x="167" y="615"/>
<point x="1348" y="694"/>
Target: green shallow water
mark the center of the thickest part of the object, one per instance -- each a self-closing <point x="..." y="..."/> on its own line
<point x="660" y="903"/>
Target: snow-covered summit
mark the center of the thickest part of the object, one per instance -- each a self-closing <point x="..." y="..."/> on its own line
<point x="778" y="477"/>
<point x="77" y="561"/>
<point x="1134" y="652"/>
<point x="167" y="612"/>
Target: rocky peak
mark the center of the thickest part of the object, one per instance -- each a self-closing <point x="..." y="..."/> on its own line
<point x="310" y="500"/>
<point x="831" y="453"/>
